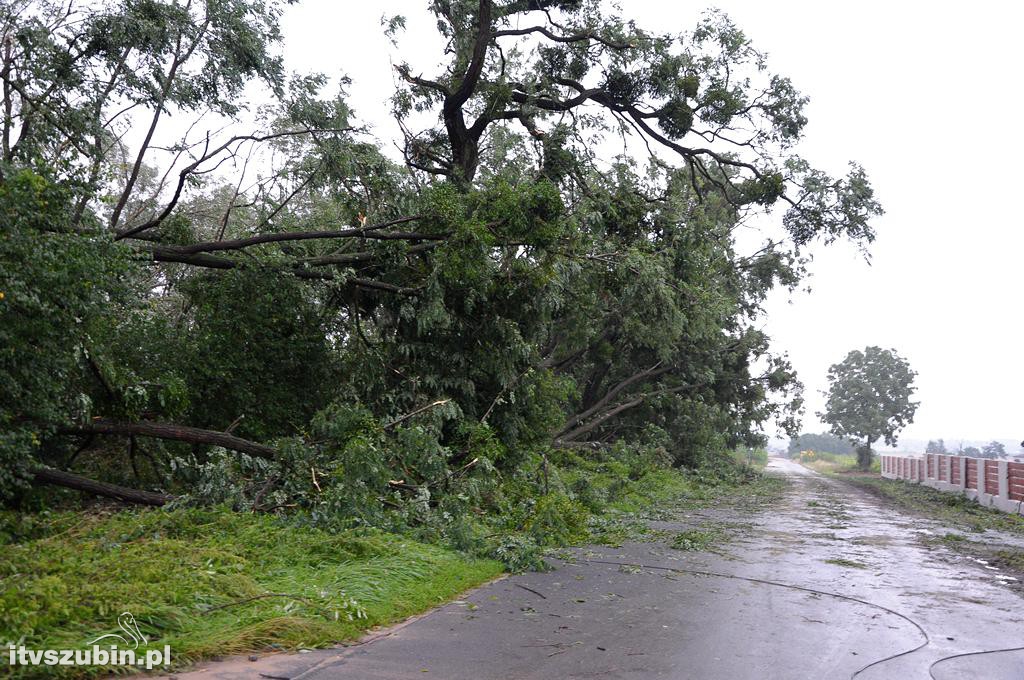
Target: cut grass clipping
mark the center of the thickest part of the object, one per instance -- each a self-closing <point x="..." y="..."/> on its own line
<point x="695" y="539"/>
<point x="211" y="582"/>
<point x="849" y="564"/>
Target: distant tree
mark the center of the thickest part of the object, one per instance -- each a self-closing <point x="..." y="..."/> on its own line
<point x="936" y="447"/>
<point x="993" y="450"/>
<point x="972" y="452"/>
<point x="869" y="398"/>
<point x="825" y="442"/>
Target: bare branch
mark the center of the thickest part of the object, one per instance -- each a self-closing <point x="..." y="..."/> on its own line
<point x="192" y="169"/>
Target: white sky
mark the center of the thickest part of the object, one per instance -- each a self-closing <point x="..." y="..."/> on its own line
<point x="920" y="93"/>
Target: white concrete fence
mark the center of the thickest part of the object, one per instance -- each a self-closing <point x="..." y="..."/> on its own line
<point x="993" y="483"/>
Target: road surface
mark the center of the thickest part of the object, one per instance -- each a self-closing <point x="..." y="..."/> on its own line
<point x="828" y="583"/>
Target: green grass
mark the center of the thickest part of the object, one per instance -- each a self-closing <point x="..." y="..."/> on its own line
<point x="951" y="508"/>
<point x="755" y="458"/>
<point x="823" y="461"/>
<point x="659" y="493"/>
<point x="695" y="539"/>
<point x="211" y="582"/>
<point x="1010" y="559"/>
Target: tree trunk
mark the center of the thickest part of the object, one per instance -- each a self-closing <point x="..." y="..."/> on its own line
<point x="864" y="456"/>
<point x="70" y="480"/>
<point x="181" y="433"/>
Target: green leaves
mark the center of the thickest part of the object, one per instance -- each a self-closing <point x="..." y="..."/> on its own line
<point x="56" y="285"/>
<point x="869" y="397"/>
<point x="675" y="118"/>
<point x="541" y="293"/>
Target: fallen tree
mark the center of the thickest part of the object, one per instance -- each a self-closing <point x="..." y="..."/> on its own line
<point x="171" y="431"/>
<point x="70" y="480"/>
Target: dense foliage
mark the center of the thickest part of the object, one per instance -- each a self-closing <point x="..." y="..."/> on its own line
<point x="358" y="337"/>
<point x="869" y="398"/>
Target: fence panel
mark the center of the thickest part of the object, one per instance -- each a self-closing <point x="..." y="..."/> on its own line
<point x="972" y="473"/>
<point x="991" y="476"/>
<point x="1016" y="474"/>
<point x="1002" y="481"/>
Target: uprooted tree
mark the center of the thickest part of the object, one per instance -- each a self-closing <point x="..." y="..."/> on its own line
<point x="289" y="293"/>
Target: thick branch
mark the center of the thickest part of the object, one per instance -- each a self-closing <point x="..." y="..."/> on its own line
<point x="477" y="60"/>
<point x="583" y="36"/>
<point x="174" y="432"/>
<point x="361" y="257"/>
<point x="167" y="254"/>
<point x="70" y="480"/>
<point x="646" y="374"/>
<point x="611" y="413"/>
<point x="368" y="232"/>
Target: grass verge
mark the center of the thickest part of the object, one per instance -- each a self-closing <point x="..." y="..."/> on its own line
<point x="974" y="521"/>
<point x="949" y="508"/>
<point x="211" y="582"/>
<point x="825" y="462"/>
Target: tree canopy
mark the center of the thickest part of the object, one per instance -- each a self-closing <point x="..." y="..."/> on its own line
<point x="825" y="442"/>
<point x="869" y="398"/>
<point x="186" y="299"/>
<point x="993" y="449"/>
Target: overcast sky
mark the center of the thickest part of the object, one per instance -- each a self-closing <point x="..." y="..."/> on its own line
<point x="919" y="93"/>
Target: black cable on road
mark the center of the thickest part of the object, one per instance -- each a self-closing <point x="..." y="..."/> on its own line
<point x="960" y="656"/>
<point x="698" y="572"/>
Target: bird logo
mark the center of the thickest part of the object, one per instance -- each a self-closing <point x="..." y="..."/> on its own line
<point x="126" y="622"/>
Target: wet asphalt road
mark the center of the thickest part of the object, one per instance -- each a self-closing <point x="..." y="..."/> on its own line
<point x="827" y="583"/>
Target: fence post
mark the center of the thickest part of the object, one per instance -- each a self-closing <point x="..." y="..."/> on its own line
<point x="963" y="472"/>
<point x="1004" y="479"/>
<point x="949" y="470"/>
<point x="981" y="478"/>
